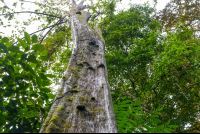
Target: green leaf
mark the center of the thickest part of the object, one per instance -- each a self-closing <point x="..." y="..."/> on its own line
<point x="29" y="103"/>
<point x="136" y="115"/>
<point x="34" y="38"/>
<point x="138" y="103"/>
<point x="11" y="68"/>
<point x="44" y="53"/>
<point x="37" y="47"/>
<point x="46" y="83"/>
<point x="23" y="43"/>
<point x="167" y="123"/>
<point x="2" y="46"/>
<point x="23" y="56"/>
<point x="125" y="102"/>
<point x="4" y="40"/>
<point x="165" y="131"/>
<point x="159" y="109"/>
<point x="138" y="112"/>
<point x="50" y="75"/>
<point x="27" y="38"/>
<point x="13" y="49"/>
<point x="8" y="44"/>
<point x="123" y="131"/>
<point x="38" y="80"/>
<point x="43" y="58"/>
<point x="173" y="126"/>
<point x="42" y="76"/>
<point x="32" y="59"/>
<point x="156" y="120"/>
<point x="138" y="108"/>
<point x="37" y="66"/>
<point x="51" y="96"/>
<point x="30" y="69"/>
<point x="46" y="90"/>
<point x="168" y="129"/>
<point x="151" y="112"/>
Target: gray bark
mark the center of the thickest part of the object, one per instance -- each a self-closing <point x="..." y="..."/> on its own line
<point x="83" y="102"/>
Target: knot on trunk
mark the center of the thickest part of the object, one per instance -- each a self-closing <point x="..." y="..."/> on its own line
<point x="81" y="107"/>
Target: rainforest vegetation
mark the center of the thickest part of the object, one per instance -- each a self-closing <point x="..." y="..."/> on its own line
<point x="152" y="58"/>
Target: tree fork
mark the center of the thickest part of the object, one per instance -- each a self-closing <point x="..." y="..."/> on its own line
<point x="83" y="102"/>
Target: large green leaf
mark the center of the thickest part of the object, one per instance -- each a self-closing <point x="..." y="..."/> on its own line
<point x="4" y="40"/>
<point x="13" y="49"/>
<point x="38" y="80"/>
<point x="37" y="47"/>
<point x="27" y="38"/>
<point x="43" y="58"/>
<point x="32" y="59"/>
<point x="44" y="53"/>
<point x="47" y="90"/>
<point x="23" y="43"/>
<point x="34" y="38"/>
<point x="2" y="46"/>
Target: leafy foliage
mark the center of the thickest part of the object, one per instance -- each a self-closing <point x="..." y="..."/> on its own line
<point x="180" y="10"/>
<point x="175" y="74"/>
<point x="23" y="85"/>
<point x="162" y="72"/>
<point x="130" y="118"/>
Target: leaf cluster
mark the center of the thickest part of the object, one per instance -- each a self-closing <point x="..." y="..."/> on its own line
<point x="23" y="85"/>
<point x="131" y="119"/>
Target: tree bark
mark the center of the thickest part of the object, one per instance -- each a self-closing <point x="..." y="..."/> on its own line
<point x="83" y="103"/>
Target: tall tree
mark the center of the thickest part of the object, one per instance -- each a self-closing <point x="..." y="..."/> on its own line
<point x="84" y="89"/>
<point x="83" y="102"/>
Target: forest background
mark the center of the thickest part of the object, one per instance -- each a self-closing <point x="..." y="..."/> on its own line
<point x="152" y="59"/>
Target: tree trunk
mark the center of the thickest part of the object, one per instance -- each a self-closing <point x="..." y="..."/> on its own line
<point x="83" y="102"/>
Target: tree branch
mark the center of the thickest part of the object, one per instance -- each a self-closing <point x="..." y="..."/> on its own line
<point x="43" y="30"/>
<point x="31" y="12"/>
<point x="44" y="5"/>
<point x="49" y="31"/>
<point x="98" y="13"/>
<point x="6" y="5"/>
<point x="80" y="6"/>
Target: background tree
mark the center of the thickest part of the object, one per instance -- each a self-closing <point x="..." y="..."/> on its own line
<point x="136" y="55"/>
<point x="180" y="10"/>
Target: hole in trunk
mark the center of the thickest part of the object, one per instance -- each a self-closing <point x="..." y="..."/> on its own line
<point x="92" y="98"/>
<point x="91" y="68"/>
<point x="78" y="13"/>
<point x="92" y="43"/>
<point x="102" y="65"/>
<point x="81" y="107"/>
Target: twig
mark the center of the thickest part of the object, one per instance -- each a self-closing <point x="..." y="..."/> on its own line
<point x="43" y="5"/>
<point x="31" y="12"/>
<point x="98" y="13"/>
<point x="49" y="31"/>
<point x="42" y="30"/>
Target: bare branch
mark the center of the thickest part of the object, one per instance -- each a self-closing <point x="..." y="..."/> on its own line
<point x="42" y="30"/>
<point x="7" y="5"/>
<point x="98" y="13"/>
<point x="31" y="12"/>
<point x="44" y="5"/>
<point x="81" y="3"/>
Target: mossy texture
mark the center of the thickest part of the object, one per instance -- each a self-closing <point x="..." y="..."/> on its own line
<point x="60" y="108"/>
<point x="67" y="126"/>
<point x="52" y="128"/>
